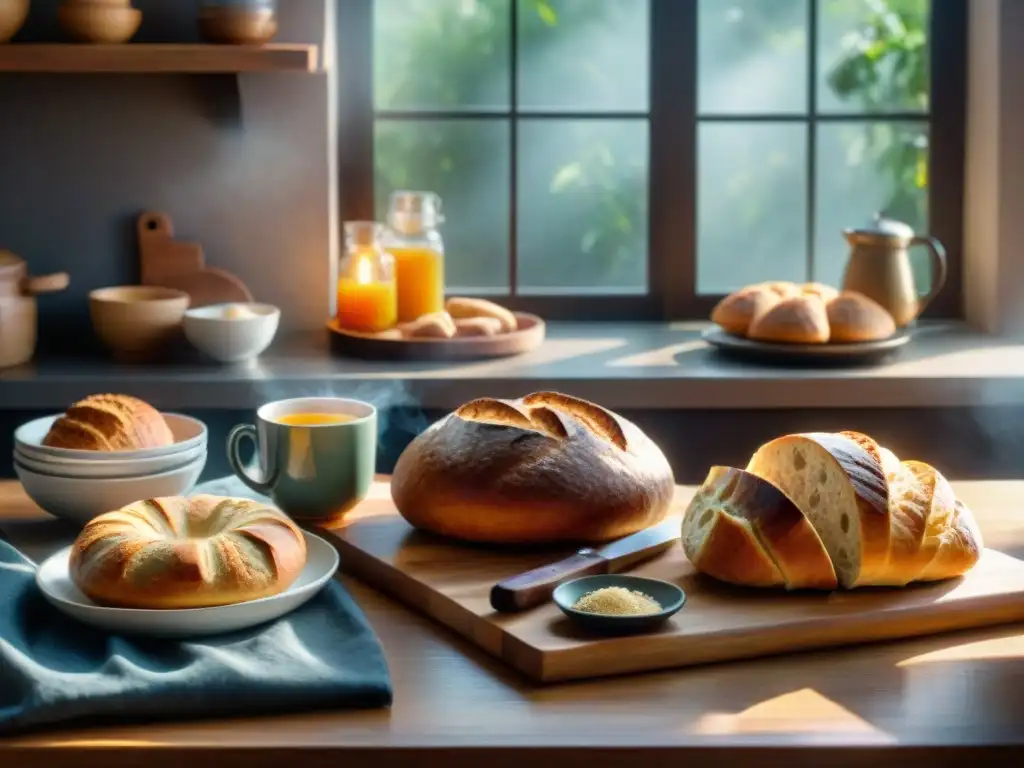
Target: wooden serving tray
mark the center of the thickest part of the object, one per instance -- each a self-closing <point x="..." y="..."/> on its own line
<point x="451" y="583"/>
<point x="373" y="347"/>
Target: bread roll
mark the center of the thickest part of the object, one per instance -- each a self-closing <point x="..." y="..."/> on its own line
<point x="742" y="529"/>
<point x="545" y="468"/>
<point x="841" y="489"/>
<point x="110" y="423"/>
<point x="462" y="309"/>
<point x="436" y="325"/>
<point x="477" y="326"/>
<point x="736" y="311"/>
<point x="797" y="320"/>
<point x="854" y="317"/>
<point x="187" y="553"/>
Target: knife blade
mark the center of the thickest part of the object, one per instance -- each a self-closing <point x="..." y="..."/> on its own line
<point x="532" y="588"/>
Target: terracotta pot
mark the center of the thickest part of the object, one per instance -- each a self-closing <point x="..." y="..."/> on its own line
<point x="18" y="311"/>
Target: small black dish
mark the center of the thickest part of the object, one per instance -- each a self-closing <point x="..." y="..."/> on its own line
<point x="670" y="597"/>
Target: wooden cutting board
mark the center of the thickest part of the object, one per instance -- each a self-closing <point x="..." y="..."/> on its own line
<point x="451" y="583"/>
<point x="172" y="263"/>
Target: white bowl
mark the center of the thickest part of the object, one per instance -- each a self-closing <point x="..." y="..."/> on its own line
<point x="79" y="500"/>
<point x="231" y="339"/>
<point x="54" y="581"/>
<point x="81" y="468"/>
<point x="188" y="434"/>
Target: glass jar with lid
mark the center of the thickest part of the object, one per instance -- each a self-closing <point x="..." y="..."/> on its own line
<point x="367" y="296"/>
<point x="414" y="240"/>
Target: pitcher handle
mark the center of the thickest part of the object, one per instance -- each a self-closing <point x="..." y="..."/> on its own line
<point x="261" y="484"/>
<point x="939" y="267"/>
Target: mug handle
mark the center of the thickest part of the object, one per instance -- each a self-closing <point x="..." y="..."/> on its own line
<point x="940" y="269"/>
<point x="261" y="485"/>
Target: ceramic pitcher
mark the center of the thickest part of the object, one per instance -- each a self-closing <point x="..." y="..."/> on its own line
<point x="879" y="267"/>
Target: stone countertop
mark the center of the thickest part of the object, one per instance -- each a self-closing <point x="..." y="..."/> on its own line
<point x="621" y="365"/>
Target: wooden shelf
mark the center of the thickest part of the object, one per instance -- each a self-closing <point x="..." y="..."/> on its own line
<point x="158" y="58"/>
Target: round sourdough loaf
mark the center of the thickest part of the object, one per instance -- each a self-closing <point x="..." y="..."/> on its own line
<point x="110" y="423"/>
<point x="545" y="468"/>
<point x="177" y="552"/>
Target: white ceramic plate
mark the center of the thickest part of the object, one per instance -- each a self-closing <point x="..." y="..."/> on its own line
<point x="80" y="499"/>
<point x="109" y="469"/>
<point x="54" y="580"/>
<point x="28" y="438"/>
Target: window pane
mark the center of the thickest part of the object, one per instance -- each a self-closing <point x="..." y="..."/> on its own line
<point x="864" y="168"/>
<point x="751" y="204"/>
<point x="583" y="54"/>
<point x="874" y="55"/>
<point x="752" y="56"/>
<point x="582" y="206"/>
<point x="442" y="54"/>
<point x="467" y="163"/>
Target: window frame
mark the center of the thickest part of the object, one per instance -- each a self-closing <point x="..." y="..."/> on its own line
<point x="673" y="122"/>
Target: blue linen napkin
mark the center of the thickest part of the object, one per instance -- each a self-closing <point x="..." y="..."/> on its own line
<point x="54" y="669"/>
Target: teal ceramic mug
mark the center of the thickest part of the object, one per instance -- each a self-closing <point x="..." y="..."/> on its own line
<point x="316" y="455"/>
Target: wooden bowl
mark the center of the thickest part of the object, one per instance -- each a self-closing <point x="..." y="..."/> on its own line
<point x="13" y="14"/>
<point x="137" y="322"/>
<point x="99" y="23"/>
<point x="238" y="26"/>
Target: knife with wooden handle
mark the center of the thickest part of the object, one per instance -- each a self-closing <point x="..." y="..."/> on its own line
<point x="535" y="587"/>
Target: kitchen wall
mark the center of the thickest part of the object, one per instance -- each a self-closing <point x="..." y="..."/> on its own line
<point x="242" y="164"/>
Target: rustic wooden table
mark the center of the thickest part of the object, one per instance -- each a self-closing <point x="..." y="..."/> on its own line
<point x="945" y="700"/>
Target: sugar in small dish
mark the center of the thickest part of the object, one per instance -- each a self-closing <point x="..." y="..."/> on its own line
<point x="617" y="603"/>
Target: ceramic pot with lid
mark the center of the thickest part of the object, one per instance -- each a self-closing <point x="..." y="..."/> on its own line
<point x="879" y="266"/>
<point x="18" y="315"/>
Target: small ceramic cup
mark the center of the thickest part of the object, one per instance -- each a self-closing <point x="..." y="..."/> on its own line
<point x="317" y="455"/>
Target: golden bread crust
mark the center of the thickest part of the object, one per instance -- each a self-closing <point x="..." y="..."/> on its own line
<point x="110" y="423"/>
<point x="177" y="552"/>
<point x="545" y="468"/>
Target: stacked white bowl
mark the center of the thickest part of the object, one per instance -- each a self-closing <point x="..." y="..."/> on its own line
<point x="78" y="485"/>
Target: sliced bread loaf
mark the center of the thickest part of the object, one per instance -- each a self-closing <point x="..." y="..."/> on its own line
<point x="840" y="487"/>
<point x="736" y="498"/>
<point x="723" y="545"/>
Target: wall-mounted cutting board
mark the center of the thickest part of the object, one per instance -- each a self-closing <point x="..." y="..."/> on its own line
<point x="451" y="583"/>
<point x="174" y="264"/>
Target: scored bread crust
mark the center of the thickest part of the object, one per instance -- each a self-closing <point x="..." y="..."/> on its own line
<point x="854" y="317"/>
<point x="736" y="311"/>
<point x="840" y="487"/>
<point x="797" y="320"/>
<point x="736" y="499"/>
<point x="109" y="423"/>
<point x="176" y="552"/>
<point x="545" y="468"/>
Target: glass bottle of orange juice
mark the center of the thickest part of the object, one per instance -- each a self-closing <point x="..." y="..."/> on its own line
<point x="367" y="295"/>
<point x="415" y="242"/>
